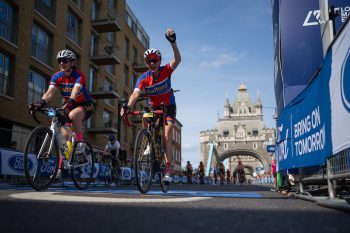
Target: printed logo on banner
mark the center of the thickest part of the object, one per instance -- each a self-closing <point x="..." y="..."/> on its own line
<point x="15" y="163"/>
<point x="345" y="82"/>
<point x="314" y="17"/>
<point x="126" y="174"/>
<point x="282" y="143"/>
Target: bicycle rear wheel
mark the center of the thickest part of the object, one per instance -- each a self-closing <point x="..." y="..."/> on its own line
<point x="163" y="185"/>
<point x="41" y="158"/>
<point x="143" y="161"/>
<point x="108" y="177"/>
<point x="83" y="165"/>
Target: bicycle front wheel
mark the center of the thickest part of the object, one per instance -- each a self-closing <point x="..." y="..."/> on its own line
<point x="143" y="160"/>
<point x="83" y="165"/>
<point x="41" y="158"/>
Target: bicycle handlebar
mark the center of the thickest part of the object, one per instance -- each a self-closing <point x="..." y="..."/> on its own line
<point x="33" y="111"/>
<point x="136" y="113"/>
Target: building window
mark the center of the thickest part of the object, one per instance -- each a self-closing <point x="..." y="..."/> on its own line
<point x="126" y="75"/>
<point x="110" y="4"/>
<point x="134" y="55"/>
<point x="7" y="21"/>
<point x="110" y="37"/>
<point x="46" y="9"/>
<point x="92" y="78"/>
<point x="110" y="69"/>
<point x="93" y="44"/>
<point x="107" y="119"/>
<point x="225" y="133"/>
<point x="73" y="28"/>
<point x="6" y="79"/>
<point x="126" y="48"/>
<point x="94" y="10"/>
<point x="79" y="3"/>
<point x="225" y="146"/>
<point x="255" y="145"/>
<point x="41" y="45"/>
<point x="37" y="85"/>
<point x="107" y="86"/>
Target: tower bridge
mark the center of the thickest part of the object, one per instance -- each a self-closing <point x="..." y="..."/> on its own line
<point x="239" y="135"/>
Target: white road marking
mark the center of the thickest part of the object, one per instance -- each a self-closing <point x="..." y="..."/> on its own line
<point x="55" y="196"/>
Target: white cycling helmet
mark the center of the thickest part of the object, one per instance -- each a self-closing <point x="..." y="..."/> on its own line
<point x="152" y="53"/>
<point x="66" y="54"/>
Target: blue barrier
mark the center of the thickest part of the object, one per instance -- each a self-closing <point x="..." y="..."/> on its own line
<point x="11" y="163"/>
<point x="314" y="126"/>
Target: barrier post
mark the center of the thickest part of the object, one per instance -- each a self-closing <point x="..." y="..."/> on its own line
<point x="331" y="186"/>
<point x="301" y="186"/>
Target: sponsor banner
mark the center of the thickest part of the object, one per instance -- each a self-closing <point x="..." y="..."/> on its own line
<point x="126" y="173"/>
<point x="304" y="126"/>
<point x="339" y="88"/>
<point x="298" y="46"/>
<point x="11" y="163"/>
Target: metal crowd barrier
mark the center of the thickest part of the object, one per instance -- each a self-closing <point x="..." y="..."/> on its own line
<point x="336" y="168"/>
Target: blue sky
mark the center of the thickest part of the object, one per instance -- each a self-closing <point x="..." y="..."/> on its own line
<point x="222" y="44"/>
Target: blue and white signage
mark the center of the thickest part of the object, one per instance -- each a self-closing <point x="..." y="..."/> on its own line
<point x="315" y="125"/>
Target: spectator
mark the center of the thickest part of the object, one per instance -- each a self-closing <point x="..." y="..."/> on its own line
<point x="13" y="145"/>
<point x="222" y="173"/>
<point x="189" y="171"/>
<point x="274" y="172"/>
<point x="228" y="176"/>
<point x="113" y="147"/>
<point x="201" y="172"/>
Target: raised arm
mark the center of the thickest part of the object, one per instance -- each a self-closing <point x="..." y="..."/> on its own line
<point x="171" y="37"/>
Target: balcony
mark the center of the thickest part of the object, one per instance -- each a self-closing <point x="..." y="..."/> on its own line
<point x="107" y="56"/>
<point x="105" y="93"/>
<point x="107" y="23"/>
<point x="139" y="67"/>
<point x="107" y="128"/>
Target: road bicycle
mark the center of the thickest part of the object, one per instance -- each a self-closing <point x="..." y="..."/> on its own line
<point x="149" y="158"/>
<point x="44" y="147"/>
<point x="112" y="174"/>
<point x="241" y="176"/>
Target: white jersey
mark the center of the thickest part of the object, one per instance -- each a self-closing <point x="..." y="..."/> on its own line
<point x="114" y="146"/>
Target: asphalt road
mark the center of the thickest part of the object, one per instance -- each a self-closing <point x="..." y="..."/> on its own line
<point x="186" y="208"/>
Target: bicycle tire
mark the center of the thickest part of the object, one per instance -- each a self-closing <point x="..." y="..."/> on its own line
<point x="143" y="161"/>
<point x="83" y="166"/>
<point x="41" y="165"/>
<point x="108" y="177"/>
<point x="163" y="185"/>
<point x="116" y="174"/>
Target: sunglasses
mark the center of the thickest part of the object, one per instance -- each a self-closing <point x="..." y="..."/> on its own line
<point x="64" y="60"/>
<point x="152" y="61"/>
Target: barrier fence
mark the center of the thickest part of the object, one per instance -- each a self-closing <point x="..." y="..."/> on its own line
<point x="313" y="130"/>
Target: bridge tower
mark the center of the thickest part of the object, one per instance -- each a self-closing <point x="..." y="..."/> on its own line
<point x="239" y="135"/>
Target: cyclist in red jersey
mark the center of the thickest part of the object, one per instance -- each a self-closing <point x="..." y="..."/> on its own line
<point x="71" y="83"/>
<point x="157" y="84"/>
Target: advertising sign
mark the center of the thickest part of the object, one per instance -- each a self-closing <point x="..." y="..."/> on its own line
<point x="298" y="44"/>
<point x="315" y="125"/>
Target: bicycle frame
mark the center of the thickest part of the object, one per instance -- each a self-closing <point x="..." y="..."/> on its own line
<point x="150" y="117"/>
<point x="55" y="127"/>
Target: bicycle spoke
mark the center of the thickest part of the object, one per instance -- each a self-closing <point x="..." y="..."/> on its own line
<point x="41" y="158"/>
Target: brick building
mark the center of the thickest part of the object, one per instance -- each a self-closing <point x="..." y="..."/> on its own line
<point x="109" y="42"/>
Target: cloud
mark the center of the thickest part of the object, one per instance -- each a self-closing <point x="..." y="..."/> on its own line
<point x="222" y="59"/>
<point x="189" y="147"/>
<point x="206" y="48"/>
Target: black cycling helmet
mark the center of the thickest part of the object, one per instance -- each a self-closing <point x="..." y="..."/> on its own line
<point x="111" y="138"/>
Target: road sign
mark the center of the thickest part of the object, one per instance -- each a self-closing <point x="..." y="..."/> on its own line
<point x="271" y="148"/>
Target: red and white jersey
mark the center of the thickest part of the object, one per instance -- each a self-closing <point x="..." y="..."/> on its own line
<point x="66" y="84"/>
